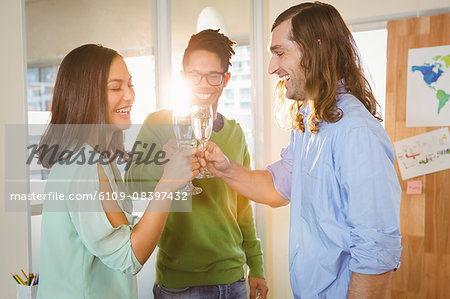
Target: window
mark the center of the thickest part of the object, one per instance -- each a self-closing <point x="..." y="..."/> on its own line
<point x="237" y="66"/>
<point x="241" y="78"/>
<point x="244" y="93"/>
<point x="40" y="82"/>
<point x="228" y="105"/>
<point x="240" y="86"/>
<point x="228" y="94"/>
<point x="245" y="105"/>
<point x="40" y="87"/>
<point x="372" y="47"/>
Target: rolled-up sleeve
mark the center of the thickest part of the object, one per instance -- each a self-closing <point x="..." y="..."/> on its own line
<point x="370" y="184"/>
<point x="373" y="251"/>
<point x="111" y="245"/>
<point x="281" y="170"/>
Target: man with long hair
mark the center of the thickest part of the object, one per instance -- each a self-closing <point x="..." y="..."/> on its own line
<point x="337" y="171"/>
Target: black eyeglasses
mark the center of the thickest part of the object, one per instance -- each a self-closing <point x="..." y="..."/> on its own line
<point x="213" y="78"/>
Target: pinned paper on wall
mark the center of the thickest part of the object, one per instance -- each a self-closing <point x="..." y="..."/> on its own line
<point x="423" y="154"/>
<point x="414" y="187"/>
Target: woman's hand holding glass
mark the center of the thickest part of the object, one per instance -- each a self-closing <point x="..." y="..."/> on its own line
<point x="182" y="126"/>
<point x="183" y="165"/>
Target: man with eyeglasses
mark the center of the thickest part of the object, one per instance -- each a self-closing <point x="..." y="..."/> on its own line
<point x="202" y="253"/>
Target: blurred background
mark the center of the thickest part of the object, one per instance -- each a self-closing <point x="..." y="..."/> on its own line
<point x="152" y="35"/>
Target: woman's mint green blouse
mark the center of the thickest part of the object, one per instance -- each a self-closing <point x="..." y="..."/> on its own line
<point x="82" y="255"/>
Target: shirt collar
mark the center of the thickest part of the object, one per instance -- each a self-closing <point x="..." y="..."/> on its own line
<point x="305" y="110"/>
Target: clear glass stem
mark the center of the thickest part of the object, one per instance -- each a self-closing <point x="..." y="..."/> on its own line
<point x="204" y="174"/>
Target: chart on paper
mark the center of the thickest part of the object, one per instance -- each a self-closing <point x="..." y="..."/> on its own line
<point x="423" y="154"/>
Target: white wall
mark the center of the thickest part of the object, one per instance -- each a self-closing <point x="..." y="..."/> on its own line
<point x="55" y="27"/>
<point x="352" y="10"/>
<point x="186" y="12"/>
<point x="13" y="225"/>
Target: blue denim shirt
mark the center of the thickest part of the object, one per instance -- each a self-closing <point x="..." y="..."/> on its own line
<point x="345" y="202"/>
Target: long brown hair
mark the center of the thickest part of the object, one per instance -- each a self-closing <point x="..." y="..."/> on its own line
<point x="79" y="98"/>
<point x="329" y="54"/>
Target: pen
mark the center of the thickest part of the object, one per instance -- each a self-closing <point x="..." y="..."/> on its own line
<point x="31" y="279"/>
<point x="18" y="278"/>
<point x="24" y="275"/>
<point x="15" y="278"/>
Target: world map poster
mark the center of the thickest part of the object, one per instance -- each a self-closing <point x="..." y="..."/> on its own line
<point x="428" y="87"/>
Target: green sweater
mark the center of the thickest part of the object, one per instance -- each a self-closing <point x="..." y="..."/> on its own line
<point x="209" y="245"/>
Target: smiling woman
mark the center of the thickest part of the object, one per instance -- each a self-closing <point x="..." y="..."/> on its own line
<point x="80" y="97"/>
<point x="120" y="94"/>
<point x="96" y="240"/>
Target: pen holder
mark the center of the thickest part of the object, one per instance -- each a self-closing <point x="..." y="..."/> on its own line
<point x="26" y="292"/>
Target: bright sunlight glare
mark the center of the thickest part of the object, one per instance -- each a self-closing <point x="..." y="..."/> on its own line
<point x="178" y="93"/>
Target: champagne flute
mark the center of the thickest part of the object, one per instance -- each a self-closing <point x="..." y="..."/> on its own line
<point x="182" y="126"/>
<point x="202" y="123"/>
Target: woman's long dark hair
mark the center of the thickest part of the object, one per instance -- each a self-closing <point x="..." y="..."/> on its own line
<point x="79" y="105"/>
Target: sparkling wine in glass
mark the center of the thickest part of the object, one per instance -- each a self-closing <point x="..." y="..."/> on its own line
<point x="202" y="123"/>
<point x="182" y="126"/>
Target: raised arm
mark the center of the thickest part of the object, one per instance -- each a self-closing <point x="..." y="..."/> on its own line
<point x="146" y="233"/>
<point x="256" y="185"/>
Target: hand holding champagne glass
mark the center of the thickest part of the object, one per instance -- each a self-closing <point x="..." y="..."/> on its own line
<point x="202" y="123"/>
<point x="182" y="126"/>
